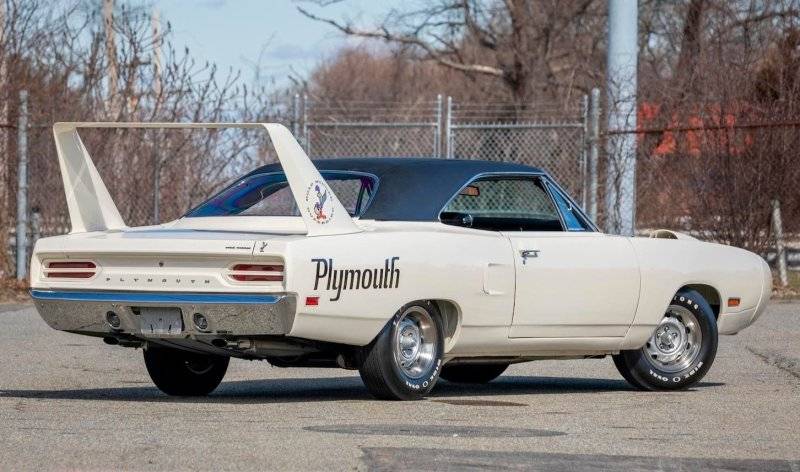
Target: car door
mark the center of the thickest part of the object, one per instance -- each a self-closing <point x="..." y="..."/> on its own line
<point x="576" y="282"/>
<point x="571" y="280"/>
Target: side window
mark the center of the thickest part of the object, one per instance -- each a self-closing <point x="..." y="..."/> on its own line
<point x="352" y="193"/>
<point x="279" y="202"/>
<point x="572" y="219"/>
<point x="503" y="204"/>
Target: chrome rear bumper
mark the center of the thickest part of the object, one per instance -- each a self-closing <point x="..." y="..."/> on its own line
<point x="227" y="314"/>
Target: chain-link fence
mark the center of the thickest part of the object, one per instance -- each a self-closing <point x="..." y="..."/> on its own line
<point x="553" y="138"/>
<point x="370" y="129"/>
<point x="548" y="135"/>
<point x="717" y="181"/>
<point x="157" y="175"/>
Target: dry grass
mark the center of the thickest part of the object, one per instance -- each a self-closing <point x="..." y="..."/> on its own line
<point x="13" y="291"/>
<point x="791" y="291"/>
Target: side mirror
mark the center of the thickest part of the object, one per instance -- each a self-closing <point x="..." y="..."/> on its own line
<point x="454" y="218"/>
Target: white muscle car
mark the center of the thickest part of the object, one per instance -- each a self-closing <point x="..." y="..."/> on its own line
<point x="405" y="269"/>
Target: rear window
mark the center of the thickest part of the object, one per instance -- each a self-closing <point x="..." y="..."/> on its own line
<point x="269" y="195"/>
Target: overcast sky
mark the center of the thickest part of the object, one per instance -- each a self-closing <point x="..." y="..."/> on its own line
<point x="239" y="33"/>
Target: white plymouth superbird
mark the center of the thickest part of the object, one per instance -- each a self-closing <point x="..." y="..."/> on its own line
<point x="405" y="269"/>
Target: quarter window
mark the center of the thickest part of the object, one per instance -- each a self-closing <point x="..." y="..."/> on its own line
<point x="504" y="204"/>
<point x="572" y="219"/>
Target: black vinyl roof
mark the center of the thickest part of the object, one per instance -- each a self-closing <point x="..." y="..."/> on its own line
<point x="412" y="189"/>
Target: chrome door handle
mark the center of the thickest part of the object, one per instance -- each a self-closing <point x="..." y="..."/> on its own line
<point x="526" y="253"/>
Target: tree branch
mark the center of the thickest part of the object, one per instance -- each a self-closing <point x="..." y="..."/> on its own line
<point x="432" y="53"/>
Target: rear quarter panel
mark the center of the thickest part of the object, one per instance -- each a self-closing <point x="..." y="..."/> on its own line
<point x="472" y="270"/>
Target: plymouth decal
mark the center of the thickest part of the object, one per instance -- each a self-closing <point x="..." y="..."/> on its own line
<point x="330" y="278"/>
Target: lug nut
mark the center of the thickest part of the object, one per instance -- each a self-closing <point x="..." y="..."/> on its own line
<point x="200" y="321"/>
<point x="113" y="320"/>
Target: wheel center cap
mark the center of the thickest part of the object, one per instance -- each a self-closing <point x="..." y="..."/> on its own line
<point x="665" y="339"/>
<point x="669" y="339"/>
<point x="409" y="342"/>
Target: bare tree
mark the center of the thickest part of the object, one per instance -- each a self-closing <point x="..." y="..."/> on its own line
<point x="715" y="152"/>
<point x="532" y="49"/>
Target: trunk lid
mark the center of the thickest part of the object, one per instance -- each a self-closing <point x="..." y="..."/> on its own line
<point x="166" y="259"/>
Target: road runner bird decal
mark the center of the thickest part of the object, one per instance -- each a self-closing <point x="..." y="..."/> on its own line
<point x="319" y="207"/>
<point x="319" y="202"/>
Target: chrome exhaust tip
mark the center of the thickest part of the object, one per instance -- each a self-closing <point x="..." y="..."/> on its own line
<point x="200" y="321"/>
<point x="113" y="320"/>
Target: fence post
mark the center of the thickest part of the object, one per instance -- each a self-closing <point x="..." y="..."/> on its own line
<point x="22" y="187"/>
<point x="36" y="225"/>
<point x="305" y="141"/>
<point x="448" y="136"/>
<point x="594" y="143"/>
<point x="780" y="247"/>
<point x="437" y="137"/>
<point x="156" y="177"/>
<point x="296" y="116"/>
<point x="584" y="153"/>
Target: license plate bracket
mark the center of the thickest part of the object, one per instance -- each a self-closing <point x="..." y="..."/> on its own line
<point x="158" y="321"/>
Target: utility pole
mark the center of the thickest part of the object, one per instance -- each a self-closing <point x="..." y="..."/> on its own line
<point x="22" y="188"/>
<point x="111" y="54"/>
<point x="621" y="86"/>
<point x="155" y="25"/>
<point x="4" y="148"/>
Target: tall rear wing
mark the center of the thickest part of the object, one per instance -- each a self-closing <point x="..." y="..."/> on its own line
<point x="92" y="209"/>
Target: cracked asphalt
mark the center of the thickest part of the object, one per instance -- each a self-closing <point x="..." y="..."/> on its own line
<point x="68" y="402"/>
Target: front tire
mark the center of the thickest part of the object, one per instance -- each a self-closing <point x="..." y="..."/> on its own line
<point x="680" y="351"/>
<point x="404" y="360"/>
<point x="182" y="373"/>
<point x="472" y="373"/>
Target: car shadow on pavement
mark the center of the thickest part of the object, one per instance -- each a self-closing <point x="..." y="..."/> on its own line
<point x="519" y="385"/>
<point x="289" y="390"/>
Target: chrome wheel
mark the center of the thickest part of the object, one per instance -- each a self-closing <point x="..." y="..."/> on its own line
<point x="676" y="342"/>
<point x="415" y="341"/>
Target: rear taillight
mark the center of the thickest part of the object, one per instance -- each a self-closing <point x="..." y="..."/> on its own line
<point x="70" y="270"/>
<point x="256" y="273"/>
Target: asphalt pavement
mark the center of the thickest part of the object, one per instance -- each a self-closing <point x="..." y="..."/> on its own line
<point x="69" y="402"/>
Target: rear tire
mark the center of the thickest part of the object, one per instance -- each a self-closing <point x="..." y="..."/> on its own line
<point x="472" y="373"/>
<point x="680" y="351"/>
<point x="184" y="374"/>
<point x="404" y="360"/>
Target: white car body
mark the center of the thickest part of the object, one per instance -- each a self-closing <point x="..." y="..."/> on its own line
<point x="573" y="294"/>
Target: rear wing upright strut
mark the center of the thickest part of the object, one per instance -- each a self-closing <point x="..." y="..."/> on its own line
<point x="92" y="209"/>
